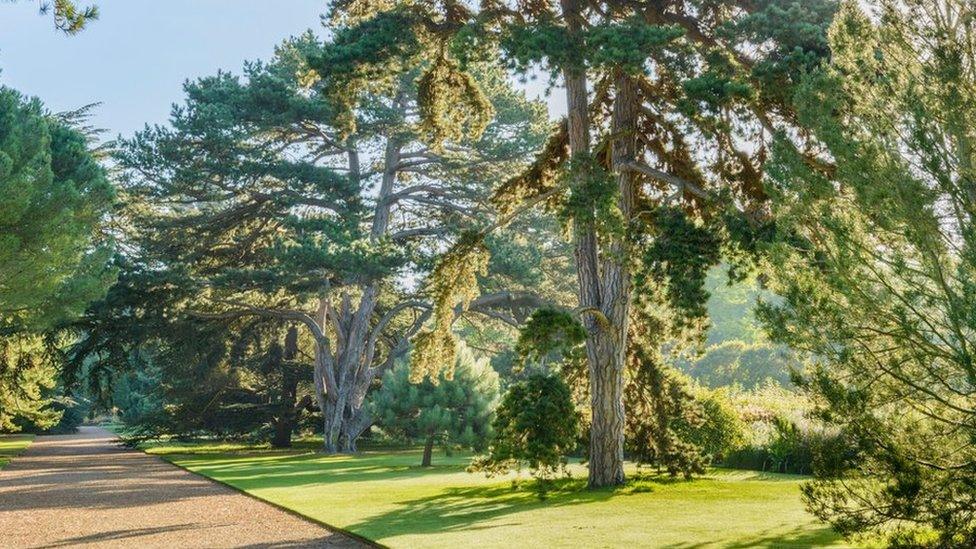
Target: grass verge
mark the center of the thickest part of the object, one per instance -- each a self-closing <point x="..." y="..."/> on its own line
<point x="385" y="496"/>
<point x="11" y="445"/>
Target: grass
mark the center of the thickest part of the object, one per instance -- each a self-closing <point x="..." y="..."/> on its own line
<point x="385" y="496"/>
<point x="11" y="445"/>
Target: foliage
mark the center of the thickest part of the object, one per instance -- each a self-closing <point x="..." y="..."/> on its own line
<point x="879" y="291"/>
<point x="738" y="363"/>
<point x="802" y="447"/>
<point x="228" y="380"/>
<point x="678" y="257"/>
<point x="456" y="411"/>
<point x="535" y="426"/>
<point x="305" y="191"/>
<point x="720" y="431"/>
<point x="548" y="332"/>
<point x="662" y="412"/>
<point x="455" y="284"/>
<point x="53" y="197"/>
<point x="69" y="17"/>
<point x="27" y="380"/>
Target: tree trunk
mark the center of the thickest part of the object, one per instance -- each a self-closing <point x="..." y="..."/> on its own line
<point x="355" y="425"/>
<point x="607" y="347"/>
<point x="282" y="434"/>
<point x="428" y="450"/>
<point x="288" y="409"/>
<point x="604" y="343"/>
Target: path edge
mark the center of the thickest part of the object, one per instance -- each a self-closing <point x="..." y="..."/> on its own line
<point x="294" y="513"/>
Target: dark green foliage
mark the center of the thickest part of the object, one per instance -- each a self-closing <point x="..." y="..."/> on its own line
<point x="678" y="258"/>
<point x="797" y="31"/>
<point x="661" y="413"/>
<point x="456" y="411"/>
<point x="535" y="426"/>
<point x="53" y="197"/>
<point x="592" y="197"/>
<point x="526" y="45"/>
<point x="548" y="332"/>
<point x="628" y="44"/>
<point x="28" y="378"/>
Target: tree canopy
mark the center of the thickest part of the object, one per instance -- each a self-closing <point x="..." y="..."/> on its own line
<point x="54" y="255"/>
<point x="877" y="277"/>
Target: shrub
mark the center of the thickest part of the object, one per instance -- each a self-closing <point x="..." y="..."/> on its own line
<point x="536" y="426"/>
<point x="721" y="431"/>
<point x="798" y="447"/>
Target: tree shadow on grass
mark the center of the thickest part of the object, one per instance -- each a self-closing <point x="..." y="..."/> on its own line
<point x="304" y="469"/>
<point x="468" y="508"/>
<point x="797" y="538"/>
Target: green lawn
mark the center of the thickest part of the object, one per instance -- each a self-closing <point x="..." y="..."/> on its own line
<point x="385" y="496"/>
<point x="11" y="445"/>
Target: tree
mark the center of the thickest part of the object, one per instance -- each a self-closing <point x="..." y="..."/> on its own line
<point x="451" y="411"/>
<point x="276" y="196"/>
<point x="27" y="377"/>
<point x="54" y="197"/>
<point x="536" y="425"/>
<point x="68" y="17"/>
<point x="876" y="268"/>
<point x="649" y="172"/>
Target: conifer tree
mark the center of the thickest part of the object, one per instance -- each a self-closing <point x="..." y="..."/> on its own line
<point x="272" y="195"/>
<point x="456" y="411"/>
<point x="657" y="167"/>
<point x="54" y="197"/>
<point x="877" y="276"/>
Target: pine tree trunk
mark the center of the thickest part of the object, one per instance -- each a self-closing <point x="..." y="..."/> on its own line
<point x="607" y="348"/>
<point x="605" y="345"/>
<point x="428" y="451"/>
<point x="284" y="425"/>
<point x="282" y="434"/>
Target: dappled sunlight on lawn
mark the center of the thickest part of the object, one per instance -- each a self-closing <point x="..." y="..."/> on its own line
<point x="388" y="497"/>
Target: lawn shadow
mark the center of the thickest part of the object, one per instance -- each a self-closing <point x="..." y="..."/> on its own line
<point x="797" y="538"/>
<point x="467" y="508"/>
<point x="296" y="470"/>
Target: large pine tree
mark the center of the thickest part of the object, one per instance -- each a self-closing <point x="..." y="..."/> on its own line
<point x="878" y="278"/>
<point x="658" y="164"/>
<point x="271" y="195"/>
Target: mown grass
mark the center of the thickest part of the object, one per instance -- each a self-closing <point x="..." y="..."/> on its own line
<point x="11" y="445"/>
<point x="385" y="496"/>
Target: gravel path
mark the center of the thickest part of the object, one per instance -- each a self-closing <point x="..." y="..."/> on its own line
<point x="84" y="490"/>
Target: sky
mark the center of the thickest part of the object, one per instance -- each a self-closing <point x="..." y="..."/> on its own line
<point x="136" y="56"/>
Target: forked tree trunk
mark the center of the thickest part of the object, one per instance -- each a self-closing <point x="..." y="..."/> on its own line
<point x="607" y="347"/>
<point x="604" y="344"/>
<point x="428" y="451"/>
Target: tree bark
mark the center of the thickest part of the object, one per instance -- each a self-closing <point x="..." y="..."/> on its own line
<point x="605" y="344"/>
<point x="428" y="451"/>
<point x="288" y="406"/>
<point x="607" y="348"/>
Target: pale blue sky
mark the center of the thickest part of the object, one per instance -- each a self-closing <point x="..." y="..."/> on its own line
<point x="135" y="58"/>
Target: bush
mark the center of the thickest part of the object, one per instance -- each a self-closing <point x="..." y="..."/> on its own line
<point x="721" y="431"/>
<point x="536" y="426"/>
<point x="795" y="447"/>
